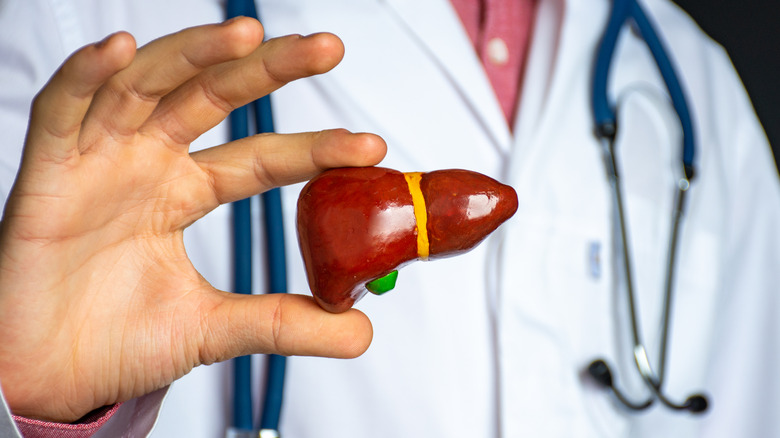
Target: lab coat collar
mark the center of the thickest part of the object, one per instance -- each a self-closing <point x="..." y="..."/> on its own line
<point x="554" y="79"/>
<point x="560" y="45"/>
<point x="447" y="42"/>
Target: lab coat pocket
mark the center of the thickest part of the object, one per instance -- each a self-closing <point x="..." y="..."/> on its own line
<point x="552" y="313"/>
<point x="579" y="265"/>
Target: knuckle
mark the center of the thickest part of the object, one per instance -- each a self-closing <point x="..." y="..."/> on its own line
<point x="277" y="327"/>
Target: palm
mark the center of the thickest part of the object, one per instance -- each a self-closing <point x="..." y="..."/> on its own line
<point x="125" y="259"/>
<point x="99" y="300"/>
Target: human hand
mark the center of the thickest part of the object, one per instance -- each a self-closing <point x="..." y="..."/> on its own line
<point x="99" y="302"/>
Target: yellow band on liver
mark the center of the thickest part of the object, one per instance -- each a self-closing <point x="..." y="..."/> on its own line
<point x="420" y="215"/>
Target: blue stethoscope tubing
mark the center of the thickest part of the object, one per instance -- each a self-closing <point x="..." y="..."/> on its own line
<point x="242" y="259"/>
<point x="606" y="124"/>
<point x="603" y="112"/>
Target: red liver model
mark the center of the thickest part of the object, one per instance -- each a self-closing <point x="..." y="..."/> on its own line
<point x="356" y="225"/>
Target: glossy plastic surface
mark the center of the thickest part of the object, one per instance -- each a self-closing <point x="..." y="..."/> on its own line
<point x="358" y="224"/>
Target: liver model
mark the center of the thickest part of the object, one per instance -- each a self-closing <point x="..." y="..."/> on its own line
<point x="358" y="226"/>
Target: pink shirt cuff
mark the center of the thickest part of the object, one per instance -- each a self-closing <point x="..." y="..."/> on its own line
<point x="84" y="428"/>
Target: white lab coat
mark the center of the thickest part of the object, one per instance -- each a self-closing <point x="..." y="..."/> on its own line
<point x="493" y="343"/>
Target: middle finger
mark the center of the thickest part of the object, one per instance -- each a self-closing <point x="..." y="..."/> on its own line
<point x="207" y="99"/>
<point x="124" y="103"/>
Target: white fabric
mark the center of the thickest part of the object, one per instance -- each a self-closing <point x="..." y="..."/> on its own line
<point x="7" y="426"/>
<point x="494" y="343"/>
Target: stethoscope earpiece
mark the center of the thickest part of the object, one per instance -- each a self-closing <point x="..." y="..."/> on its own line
<point x="696" y="403"/>
<point x="600" y="372"/>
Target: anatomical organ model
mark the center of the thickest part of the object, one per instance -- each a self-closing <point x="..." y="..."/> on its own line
<point x="358" y="226"/>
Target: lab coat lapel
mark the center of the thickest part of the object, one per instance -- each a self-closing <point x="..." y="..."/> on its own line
<point x="555" y="91"/>
<point x="436" y="26"/>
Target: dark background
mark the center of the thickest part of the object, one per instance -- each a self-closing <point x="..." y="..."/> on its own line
<point x="750" y="32"/>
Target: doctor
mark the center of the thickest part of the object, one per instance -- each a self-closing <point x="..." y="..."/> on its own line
<point x="493" y="343"/>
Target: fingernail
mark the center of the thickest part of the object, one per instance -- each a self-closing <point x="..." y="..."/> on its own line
<point x="104" y="41"/>
<point x="231" y="20"/>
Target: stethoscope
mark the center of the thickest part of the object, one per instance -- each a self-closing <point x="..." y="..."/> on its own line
<point x="605" y="121"/>
<point x="243" y="412"/>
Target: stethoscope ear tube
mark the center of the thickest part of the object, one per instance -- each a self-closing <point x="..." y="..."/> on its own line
<point x="601" y="373"/>
<point x="605" y="126"/>
<point x="276" y="263"/>
<point x="276" y="259"/>
<point x="604" y="117"/>
<point x="672" y="81"/>
<point x="242" y="282"/>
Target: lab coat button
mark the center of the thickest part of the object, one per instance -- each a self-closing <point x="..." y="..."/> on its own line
<point x="497" y="51"/>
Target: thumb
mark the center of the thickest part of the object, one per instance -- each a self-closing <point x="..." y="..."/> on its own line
<point x="283" y="324"/>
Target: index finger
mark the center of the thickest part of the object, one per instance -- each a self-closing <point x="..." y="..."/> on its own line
<point x="130" y="96"/>
<point x="208" y="98"/>
<point x="255" y="164"/>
